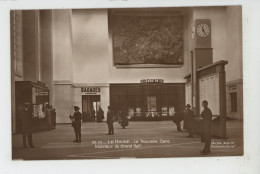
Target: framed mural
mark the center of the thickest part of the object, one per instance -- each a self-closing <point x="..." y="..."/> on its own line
<point x="148" y="39"/>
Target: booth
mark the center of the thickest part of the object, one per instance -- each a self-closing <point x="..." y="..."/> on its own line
<point x="211" y="86"/>
<point x="37" y="94"/>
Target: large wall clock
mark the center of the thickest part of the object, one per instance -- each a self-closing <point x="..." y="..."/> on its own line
<point x="203" y="30"/>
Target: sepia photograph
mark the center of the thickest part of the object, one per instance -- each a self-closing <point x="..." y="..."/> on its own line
<point x="111" y="83"/>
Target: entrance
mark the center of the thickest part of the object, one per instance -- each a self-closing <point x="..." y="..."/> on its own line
<point x="90" y="106"/>
<point x="151" y="106"/>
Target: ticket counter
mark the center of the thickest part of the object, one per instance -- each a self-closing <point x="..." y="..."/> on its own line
<point x="148" y="100"/>
<point x="37" y="94"/>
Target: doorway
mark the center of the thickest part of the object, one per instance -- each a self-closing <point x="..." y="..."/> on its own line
<point x="90" y="106"/>
<point x="151" y="106"/>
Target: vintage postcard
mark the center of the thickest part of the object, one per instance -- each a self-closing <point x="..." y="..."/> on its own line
<point x="109" y="83"/>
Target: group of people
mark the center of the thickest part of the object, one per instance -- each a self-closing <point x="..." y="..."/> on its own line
<point x="26" y="116"/>
<point x="111" y="115"/>
<point x="188" y="117"/>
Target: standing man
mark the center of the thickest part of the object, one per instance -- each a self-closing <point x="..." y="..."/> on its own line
<point x="189" y="116"/>
<point x="100" y="115"/>
<point x="177" y="118"/>
<point x="48" y="116"/>
<point x="124" y="120"/>
<point x="53" y="118"/>
<point x="206" y="116"/>
<point x="26" y="115"/>
<point x="76" y="124"/>
<point x="93" y="114"/>
<point x="110" y="120"/>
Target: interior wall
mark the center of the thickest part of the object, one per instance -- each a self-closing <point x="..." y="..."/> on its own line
<point x="226" y="32"/>
<point x="63" y="92"/>
<point x="134" y="75"/>
<point x="90" y="46"/>
<point x="234" y="43"/>
<point x="30" y="45"/>
<point x="46" y="47"/>
<point x="62" y="45"/>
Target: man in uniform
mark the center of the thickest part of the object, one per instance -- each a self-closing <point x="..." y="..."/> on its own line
<point x="189" y="116"/>
<point x="26" y="115"/>
<point x="110" y="120"/>
<point x="76" y="124"/>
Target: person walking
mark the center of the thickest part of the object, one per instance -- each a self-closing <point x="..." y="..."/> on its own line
<point x="206" y="116"/>
<point x="110" y="120"/>
<point x="26" y="117"/>
<point x="76" y="124"/>
<point x="189" y="116"/>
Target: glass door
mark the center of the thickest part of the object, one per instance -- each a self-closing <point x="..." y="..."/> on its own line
<point x="151" y="106"/>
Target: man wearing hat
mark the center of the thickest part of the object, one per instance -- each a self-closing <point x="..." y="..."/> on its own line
<point x="76" y="124"/>
<point x="189" y="116"/>
<point x="110" y="120"/>
<point x="26" y="117"/>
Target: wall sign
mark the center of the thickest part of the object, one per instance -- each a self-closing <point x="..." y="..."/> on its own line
<point x="90" y="90"/>
<point x="152" y="81"/>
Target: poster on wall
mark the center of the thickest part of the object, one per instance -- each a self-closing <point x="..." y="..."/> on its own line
<point x="209" y="90"/>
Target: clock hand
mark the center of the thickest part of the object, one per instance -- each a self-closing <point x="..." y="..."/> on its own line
<point x="203" y="30"/>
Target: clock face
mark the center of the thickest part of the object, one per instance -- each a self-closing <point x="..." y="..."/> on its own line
<point x="203" y="30"/>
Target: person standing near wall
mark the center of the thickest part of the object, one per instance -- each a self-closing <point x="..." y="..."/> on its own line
<point x="110" y="120"/>
<point x="188" y="117"/>
<point x="26" y="115"/>
<point x="206" y="116"/>
<point x="48" y="116"/>
<point x="93" y="115"/>
<point x="100" y="115"/>
<point x="124" y="120"/>
<point x="76" y="124"/>
<point x="177" y="118"/>
<point x="53" y="118"/>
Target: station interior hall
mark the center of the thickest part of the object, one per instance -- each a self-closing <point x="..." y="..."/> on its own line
<point x="151" y="61"/>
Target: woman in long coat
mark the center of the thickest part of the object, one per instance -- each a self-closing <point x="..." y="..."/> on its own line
<point x="206" y="116"/>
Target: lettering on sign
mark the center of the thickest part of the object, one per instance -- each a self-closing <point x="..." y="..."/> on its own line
<point x="152" y="81"/>
<point x="91" y="90"/>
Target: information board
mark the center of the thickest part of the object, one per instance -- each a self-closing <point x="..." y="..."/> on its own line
<point x="209" y="90"/>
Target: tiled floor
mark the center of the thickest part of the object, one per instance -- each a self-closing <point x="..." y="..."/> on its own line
<point x="146" y="140"/>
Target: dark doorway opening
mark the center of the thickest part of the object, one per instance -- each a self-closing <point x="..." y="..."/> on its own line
<point x="90" y="106"/>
